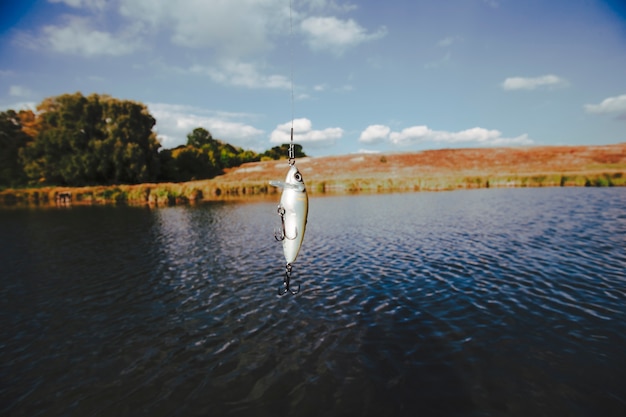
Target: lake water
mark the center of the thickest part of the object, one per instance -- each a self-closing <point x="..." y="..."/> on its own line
<point x="506" y="302"/>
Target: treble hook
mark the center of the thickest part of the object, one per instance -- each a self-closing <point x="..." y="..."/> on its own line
<point x="286" y="286"/>
<point x="282" y="235"/>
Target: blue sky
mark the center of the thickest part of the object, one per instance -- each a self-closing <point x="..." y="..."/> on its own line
<point x="369" y="76"/>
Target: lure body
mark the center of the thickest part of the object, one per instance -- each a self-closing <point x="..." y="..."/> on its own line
<point x="293" y="209"/>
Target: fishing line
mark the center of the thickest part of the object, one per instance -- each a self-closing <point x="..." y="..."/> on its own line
<point x="292" y="156"/>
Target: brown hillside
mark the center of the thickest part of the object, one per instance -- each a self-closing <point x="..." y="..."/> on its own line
<point x="450" y="168"/>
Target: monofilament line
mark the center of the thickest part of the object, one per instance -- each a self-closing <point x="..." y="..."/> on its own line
<point x="292" y="155"/>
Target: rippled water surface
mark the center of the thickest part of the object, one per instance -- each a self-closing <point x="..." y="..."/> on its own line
<point x="478" y="303"/>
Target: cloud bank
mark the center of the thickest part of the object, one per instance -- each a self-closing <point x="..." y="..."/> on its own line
<point x="335" y="35"/>
<point x="375" y="133"/>
<point x="234" y="29"/>
<point x="77" y="36"/>
<point x="234" y="35"/>
<point x="175" y="122"/>
<point x="304" y="134"/>
<point x="532" y="83"/>
<point x="610" y="105"/>
<point x="423" y="134"/>
<point x="20" y="91"/>
<point x="241" y="74"/>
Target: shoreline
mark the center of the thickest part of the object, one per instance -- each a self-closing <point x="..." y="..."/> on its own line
<point x="436" y="170"/>
<point x="170" y="194"/>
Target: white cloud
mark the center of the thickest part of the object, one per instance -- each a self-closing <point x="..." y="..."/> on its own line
<point x="409" y="134"/>
<point x="234" y="28"/>
<point x="375" y="133"/>
<point x="303" y="133"/>
<point x="242" y="74"/>
<point x="175" y="122"/>
<point x="423" y="134"/>
<point x="79" y="38"/>
<point x="91" y="4"/>
<point x="331" y="5"/>
<point x="531" y="83"/>
<point x="335" y="35"/>
<point x="609" y="105"/>
<point x="19" y="91"/>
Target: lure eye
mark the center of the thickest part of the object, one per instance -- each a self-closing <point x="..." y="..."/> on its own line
<point x="297" y="177"/>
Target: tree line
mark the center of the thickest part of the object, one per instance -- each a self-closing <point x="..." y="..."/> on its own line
<point x="73" y="140"/>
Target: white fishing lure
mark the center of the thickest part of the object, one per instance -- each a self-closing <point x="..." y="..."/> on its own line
<point x="293" y="211"/>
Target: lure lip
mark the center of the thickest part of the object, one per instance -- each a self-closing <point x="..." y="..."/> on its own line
<point x="293" y="181"/>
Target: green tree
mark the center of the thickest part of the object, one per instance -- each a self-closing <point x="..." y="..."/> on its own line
<point x="203" y="157"/>
<point x="13" y="137"/>
<point x="200" y="137"/>
<point x="194" y="164"/>
<point x="229" y="156"/>
<point x="92" y="140"/>
<point x="249" y="156"/>
<point x="167" y="166"/>
<point x="135" y="146"/>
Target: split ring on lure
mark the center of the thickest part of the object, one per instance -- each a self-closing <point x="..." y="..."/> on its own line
<point x="293" y="211"/>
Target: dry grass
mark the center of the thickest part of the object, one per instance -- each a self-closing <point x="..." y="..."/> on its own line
<point x="447" y="169"/>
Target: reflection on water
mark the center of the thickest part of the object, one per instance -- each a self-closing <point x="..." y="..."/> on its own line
<point x="486" y="303"/>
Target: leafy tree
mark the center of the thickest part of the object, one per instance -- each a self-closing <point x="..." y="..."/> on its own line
<point x="192" y="164"/>
<point x="200" y="137"/>
<point x="92" y="140"/>
<point x="229" y="156"/>
<point x="135" y="146"/>
<point x="13" y="137"/>
<point x="167" y="166"/>
<point x="203" y="157"/>
<point x="30" y="123"/>
<point x="249" y="156"/>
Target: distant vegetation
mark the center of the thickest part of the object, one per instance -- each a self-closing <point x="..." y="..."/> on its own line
<point x="434" y="170"/>
<point x="73" y="140"/>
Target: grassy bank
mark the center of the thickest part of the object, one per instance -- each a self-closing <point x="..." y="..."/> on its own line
<point x="448" y="169"/>
<point x="168" y="194"/>
<point x="163" y="194"/>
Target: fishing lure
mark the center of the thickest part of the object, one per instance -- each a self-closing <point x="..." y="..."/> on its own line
<point x="293" y="210"/>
